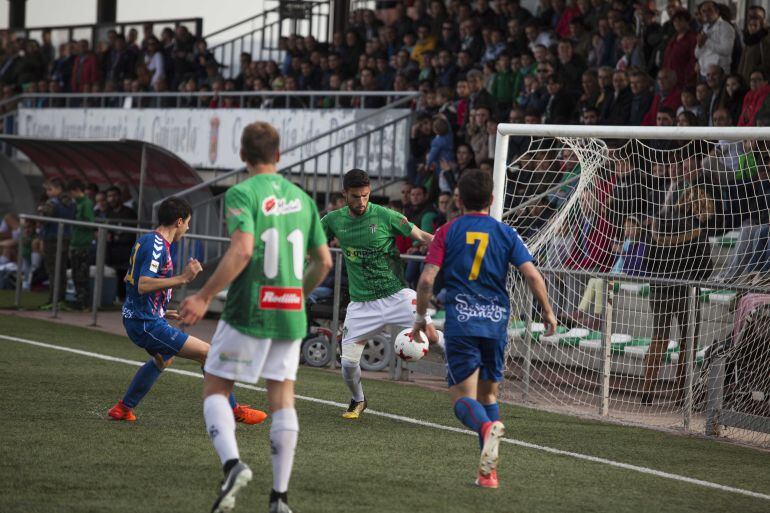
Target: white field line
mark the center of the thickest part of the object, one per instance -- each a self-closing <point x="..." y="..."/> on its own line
<point x="401" y="418"/>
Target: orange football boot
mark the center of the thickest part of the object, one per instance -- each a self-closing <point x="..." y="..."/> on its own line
<point x="121" y="412"/>
<point x="248" y="415"/>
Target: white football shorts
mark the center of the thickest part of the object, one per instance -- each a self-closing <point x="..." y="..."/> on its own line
<point x="365" y="319"/>
<point x="239" y="357"/>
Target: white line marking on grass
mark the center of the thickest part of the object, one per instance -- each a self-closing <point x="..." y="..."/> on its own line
<point x="401" y="418"/>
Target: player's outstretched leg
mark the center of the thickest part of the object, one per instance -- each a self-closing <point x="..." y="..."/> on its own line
<point x="351" y="374"/>
<point x="143" y="381"/>
<point x="220" y="424"/>
<point x="244" y="413"/>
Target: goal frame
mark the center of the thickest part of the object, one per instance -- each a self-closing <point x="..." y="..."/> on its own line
<point x="506" y="130"/>
<point x="714" y="414"/>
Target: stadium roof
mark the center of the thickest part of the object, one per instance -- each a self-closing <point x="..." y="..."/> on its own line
<point x="112" y="162"/>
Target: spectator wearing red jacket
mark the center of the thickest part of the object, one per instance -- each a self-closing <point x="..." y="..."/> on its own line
<point x="668" y="95"/>
<point x="754" y="99"/>
<point x="679" y="54"/>
<point x="85" y="69"/>
<point x="562" y="26"/>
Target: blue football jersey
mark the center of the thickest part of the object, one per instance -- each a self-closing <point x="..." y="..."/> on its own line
<point x="475" y="252"/>
<point x="151" y="256"/>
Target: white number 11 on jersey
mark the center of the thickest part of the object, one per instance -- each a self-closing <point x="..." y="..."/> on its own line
<point x="271" y="239"/>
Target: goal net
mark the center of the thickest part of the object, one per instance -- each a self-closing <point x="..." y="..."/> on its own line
<point x="655" y="246"/>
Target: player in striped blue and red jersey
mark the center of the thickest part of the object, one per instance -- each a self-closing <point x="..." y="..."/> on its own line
<point x="475" y="252"/>
<point x="149" y="281"/>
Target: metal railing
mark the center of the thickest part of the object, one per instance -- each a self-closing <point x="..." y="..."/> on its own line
<point x="260" y="34"/>
<point x="96" y="32"/>
<point x="320" y="173"/>
<point x="714" y="412"/>
<point x="201" y="99"/>
<point x="397" y="369"/>
<point x="102" y="229"/>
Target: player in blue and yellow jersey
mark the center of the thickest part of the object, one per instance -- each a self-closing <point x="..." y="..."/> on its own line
<point x="475" y="252"/>
<point x="149" y="281"/>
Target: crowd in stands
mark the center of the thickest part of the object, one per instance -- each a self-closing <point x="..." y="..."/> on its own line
<point x="570" y="61"/>
<point x="74" y="200"/>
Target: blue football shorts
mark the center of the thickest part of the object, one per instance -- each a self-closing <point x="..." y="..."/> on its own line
<point x="466" y="354"/>
<point x="155" y="336"/>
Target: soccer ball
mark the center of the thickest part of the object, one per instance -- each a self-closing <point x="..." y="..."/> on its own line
<point x="409" y="349"/>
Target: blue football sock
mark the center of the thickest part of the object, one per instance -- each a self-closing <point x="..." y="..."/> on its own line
<point x="471" y="413"/>
<point x="493" y="411"/>
<point x="231" y="399"/>
<point x="141" y="384"/>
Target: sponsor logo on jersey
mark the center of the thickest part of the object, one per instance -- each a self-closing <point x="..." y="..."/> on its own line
<point x="355" y="254"/>
<point x="478" y="307"/>
<point x="280" y="298"/>
<point x="272" y="206"/>
<point x="372" y="228"/>
<point x="154" y="266"/>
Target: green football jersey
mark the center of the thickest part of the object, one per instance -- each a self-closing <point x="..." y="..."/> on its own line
<point x="369" y="245"/>
<point x="265" y="300"/>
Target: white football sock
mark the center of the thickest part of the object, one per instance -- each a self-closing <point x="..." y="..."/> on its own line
<point x="283" y="442"/>
<point x="351" y="374"/>
<point x="220" y="423"/>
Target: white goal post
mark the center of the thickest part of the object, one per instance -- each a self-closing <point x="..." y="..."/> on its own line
<point x="655" y="244"/>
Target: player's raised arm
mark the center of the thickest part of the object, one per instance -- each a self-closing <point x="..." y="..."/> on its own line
<point x="232" y="264"/>
<point x="148" y="284"/>
<point x="537" y="286"/>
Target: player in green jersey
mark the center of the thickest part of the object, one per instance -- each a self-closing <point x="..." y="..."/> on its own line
<point x="366" y="233"/>
<point x="273" y="226"/>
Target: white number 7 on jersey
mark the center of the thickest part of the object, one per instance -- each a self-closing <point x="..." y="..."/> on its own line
<point x="270" y="238"/>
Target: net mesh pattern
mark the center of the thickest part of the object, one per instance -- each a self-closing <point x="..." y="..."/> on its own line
<point x="652" y="250"/>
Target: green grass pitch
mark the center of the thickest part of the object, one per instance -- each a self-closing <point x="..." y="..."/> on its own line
<point x="60" y="453"/>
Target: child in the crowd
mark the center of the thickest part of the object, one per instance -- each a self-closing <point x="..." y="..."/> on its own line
<point x="690" y="103"/>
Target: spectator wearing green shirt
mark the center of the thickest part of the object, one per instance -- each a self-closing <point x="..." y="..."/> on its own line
<point x="502" y="81"/>
<point x="424" y="218"/>
<point x="80" y="244"/>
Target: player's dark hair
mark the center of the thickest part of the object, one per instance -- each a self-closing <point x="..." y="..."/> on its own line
<point x="355" y="178"/>
<point x="173" y="209"/>
<point x="260" y="143"/>
<point x="475" y="189"/>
